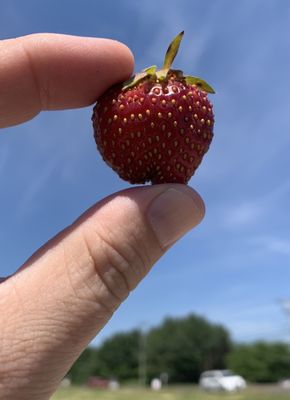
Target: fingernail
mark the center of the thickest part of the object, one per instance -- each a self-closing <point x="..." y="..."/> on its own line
<point x="173" y="213"/>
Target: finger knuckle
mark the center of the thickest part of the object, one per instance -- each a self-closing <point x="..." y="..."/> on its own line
<point x="120" y="264"/>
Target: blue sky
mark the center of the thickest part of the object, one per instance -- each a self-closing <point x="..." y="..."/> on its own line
<point x="235" y="267"/>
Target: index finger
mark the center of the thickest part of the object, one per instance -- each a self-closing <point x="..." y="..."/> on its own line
<point x="54" y="71"/>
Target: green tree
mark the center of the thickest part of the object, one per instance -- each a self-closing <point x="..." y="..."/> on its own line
<point x="181" y="347"/>
<point x="261" y="361"/>
<point x="118" y="356"/>
<point x="185" y="347"/>
<point x="84" y="367"/>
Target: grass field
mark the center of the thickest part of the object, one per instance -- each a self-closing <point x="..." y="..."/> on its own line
<point x="178" y="393"/>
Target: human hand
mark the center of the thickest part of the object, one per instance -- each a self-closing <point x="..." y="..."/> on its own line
<point x="55" y="304"/>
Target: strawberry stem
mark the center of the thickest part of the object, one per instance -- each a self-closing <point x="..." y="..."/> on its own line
<point x="172" y="51"/>
<point x="163" y="73"/>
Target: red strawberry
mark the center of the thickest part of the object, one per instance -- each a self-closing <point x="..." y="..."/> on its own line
<point x="157" y="126"/>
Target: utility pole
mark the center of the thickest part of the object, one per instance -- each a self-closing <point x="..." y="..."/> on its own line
<point x="142" y="358"/>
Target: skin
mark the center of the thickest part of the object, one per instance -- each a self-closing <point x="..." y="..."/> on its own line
<point x="57" y="302"/>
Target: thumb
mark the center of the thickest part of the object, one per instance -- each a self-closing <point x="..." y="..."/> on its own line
<point x="69" y="289"/>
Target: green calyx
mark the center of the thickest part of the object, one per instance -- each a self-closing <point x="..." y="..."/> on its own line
<point x="163" y="74"/>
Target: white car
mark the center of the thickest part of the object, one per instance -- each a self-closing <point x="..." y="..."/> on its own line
<point x="285" y="384"/>
<point x="224" y="380"/>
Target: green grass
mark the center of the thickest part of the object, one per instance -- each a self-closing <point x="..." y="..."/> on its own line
<point x="176" y="393"/>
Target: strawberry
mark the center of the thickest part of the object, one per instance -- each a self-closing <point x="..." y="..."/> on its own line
<point x="157" y="126"/>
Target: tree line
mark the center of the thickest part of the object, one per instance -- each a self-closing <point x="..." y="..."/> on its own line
<point x="180" y="349"/>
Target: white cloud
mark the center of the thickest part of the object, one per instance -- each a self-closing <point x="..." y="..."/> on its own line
<point x="279" y="245"/>
<point x="197" y="36"/>
<point x="243" y="214"/>
<point x="249" y="322"/>
<point x="272" y="244"/>
<point x="255" y="210"/>
<point x="257" y="329"/>
<point x="32" y="191"/>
